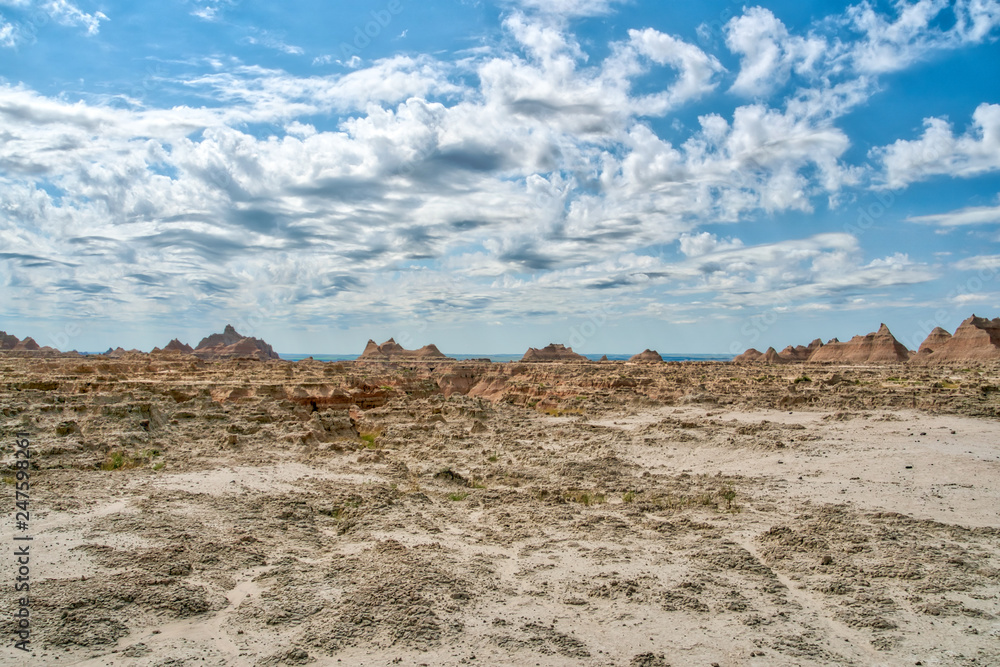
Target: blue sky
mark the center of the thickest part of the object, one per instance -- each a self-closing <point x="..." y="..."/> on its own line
<point x="493" y="175"/>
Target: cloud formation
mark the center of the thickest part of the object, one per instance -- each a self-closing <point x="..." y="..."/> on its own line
<point x="529" y="176"/>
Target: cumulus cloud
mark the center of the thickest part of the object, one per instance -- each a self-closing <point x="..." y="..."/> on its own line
<point x="526" y="177"/>
<point x="940" y="151"/>
<point x="768" y="53"/>
<point x="889" y="45"/>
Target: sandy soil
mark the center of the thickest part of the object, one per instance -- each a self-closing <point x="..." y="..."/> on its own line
<point x="602" y="514"/>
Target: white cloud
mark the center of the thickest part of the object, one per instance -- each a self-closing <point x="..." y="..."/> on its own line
<point x="695" y="245"/>
<point x="696" y="68"/>
<point x="521" y="178"/>
<point x="569" y="8"/>
<point x="67" y="13"/>
<point x="971" y="215"/>
<point x="8" y="35"/>
<point x="768" y="53"/>
<point x="34" y="14"/>
<point x="890" y="45"/>
<point x="978" y="262"/>
<point x="939" y="151"/>
<point x="268" y="40"/>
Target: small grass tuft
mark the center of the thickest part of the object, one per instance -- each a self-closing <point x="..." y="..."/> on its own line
<point x="116" y="461"/>
<point x="461" y="495"/>
<point x="628" y="497"/>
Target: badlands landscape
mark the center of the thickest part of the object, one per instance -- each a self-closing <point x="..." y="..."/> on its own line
<point x="215" y="505"/>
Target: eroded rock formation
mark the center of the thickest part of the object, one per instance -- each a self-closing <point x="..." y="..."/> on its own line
<point x="393" y="351"/>
<point x="976" y="339"/>
<point x="552" y="352"/>
<point x="647" y="356"/>
<point x="873" y="348"/>
<point x="230" y="344"/>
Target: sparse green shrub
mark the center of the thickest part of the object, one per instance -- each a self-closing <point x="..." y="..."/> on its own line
<point x="628" y="497"/>
<point x="728" y="493"/>
<point x="461" y="495"/>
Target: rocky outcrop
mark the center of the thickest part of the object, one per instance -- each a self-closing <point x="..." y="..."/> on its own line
<point x="230" y="344"/>
<point x="393" y="351"/>
<point x="28" y="345"/>
<point x="121" y="353"/>
<point x="750" y="356"/>
<point x="976" y="339"/>
<point x="772" y="357"/>
<point x="553" y="352"/>
<point x="177" y="346"/>
<point x="11" y="343"/>
<point x="935" y="339"/>
<point x="647" y="356"/>
<point x="798" y="353"/>
<point x="874" y="348"/>
<point x="7" y="341"/>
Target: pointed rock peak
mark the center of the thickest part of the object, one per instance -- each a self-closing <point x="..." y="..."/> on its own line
<point x="229" y="330"/>
<point x="884" y="330"/>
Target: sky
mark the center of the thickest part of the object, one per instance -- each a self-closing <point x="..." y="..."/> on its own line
<point x="489" y="175"/>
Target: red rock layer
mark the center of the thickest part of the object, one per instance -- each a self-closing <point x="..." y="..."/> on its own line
<point x="393" y="351"/>
<point x="878" y="347"/>
<point x="552" y="352"/>
<point x="976" y="339"/>
<point x="647" y="356"/>
<point x="230" y="344"/>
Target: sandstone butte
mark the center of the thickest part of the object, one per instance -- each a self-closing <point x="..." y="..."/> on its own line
<point x="174" y="346"/>
<point x="879" y="347"/>
<point x="393" y="351"/>
<point x="553" y="352"/>
<point x="647" y="356"/>
<point x="935" y="339"/>
<point x="976" y="339"/>
<point x="9" y="342"/>
<point x="232" y="345"/>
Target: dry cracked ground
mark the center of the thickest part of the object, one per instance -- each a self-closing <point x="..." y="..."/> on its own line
<point x="246" y="513"/>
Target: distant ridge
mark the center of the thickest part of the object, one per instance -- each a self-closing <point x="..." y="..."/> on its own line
<point x="393" y="351"/>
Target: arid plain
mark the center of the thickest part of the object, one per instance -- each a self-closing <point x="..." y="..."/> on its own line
<point x="431" y="512"/>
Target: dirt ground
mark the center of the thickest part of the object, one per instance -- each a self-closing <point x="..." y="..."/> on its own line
<point x="247" y="513"/>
